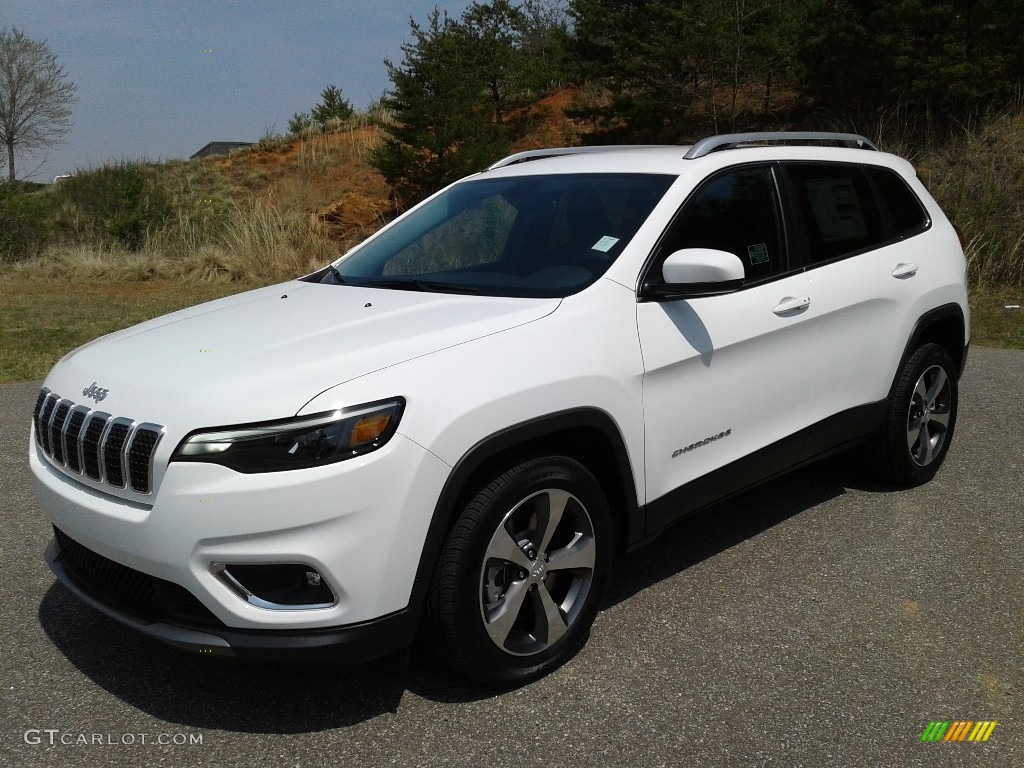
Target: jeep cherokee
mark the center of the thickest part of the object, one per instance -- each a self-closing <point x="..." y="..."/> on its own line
<point x="461" y="422"/>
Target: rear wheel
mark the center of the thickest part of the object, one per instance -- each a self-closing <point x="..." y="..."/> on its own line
<point x="921" y="418"/>
<point x="520" y="578"/>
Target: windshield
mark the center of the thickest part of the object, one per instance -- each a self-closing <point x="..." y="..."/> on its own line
<point x="539" y="236"/>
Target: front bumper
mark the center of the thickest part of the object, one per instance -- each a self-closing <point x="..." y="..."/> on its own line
<point x="353" y="644"/>
<point x="360" y="523"/>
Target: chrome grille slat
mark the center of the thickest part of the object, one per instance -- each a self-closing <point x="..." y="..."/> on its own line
<point x="140" y="456"/>
<point x="45" y="414"/>
<point x="60" y="415"/>
<point x="72" y="437"/>
<point x="114" y="442"/>
<point x="118" y="452"/>
<point x="91" y="436"/>
<point x="37" y="410"/>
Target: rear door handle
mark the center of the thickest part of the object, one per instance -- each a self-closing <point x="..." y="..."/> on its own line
<point x="790" y="305"/>
<point x="903" y="271"/>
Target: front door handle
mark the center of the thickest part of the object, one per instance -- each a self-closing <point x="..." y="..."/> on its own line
<point x="790" y="305"/>
<point x="903" y="271"/>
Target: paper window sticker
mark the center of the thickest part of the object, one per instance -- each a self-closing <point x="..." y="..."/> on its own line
<point x="604" y="244"/>
<point x="758" y="253"/>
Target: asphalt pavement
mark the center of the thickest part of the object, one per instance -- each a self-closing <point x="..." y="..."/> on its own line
<point x="821" y="620"/>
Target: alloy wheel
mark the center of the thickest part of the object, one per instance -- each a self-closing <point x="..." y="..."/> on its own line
<point x="537" y="571"/>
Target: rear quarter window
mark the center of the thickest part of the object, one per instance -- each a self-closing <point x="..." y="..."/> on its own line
<point x="905" y="210"/>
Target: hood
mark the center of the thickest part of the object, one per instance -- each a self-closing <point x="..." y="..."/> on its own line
<point x="264" y="354"/>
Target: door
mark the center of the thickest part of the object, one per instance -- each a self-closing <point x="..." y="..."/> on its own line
<point x="727" y="375"/>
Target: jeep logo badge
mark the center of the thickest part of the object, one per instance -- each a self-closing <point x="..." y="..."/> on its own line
<point x="96" y="393"/>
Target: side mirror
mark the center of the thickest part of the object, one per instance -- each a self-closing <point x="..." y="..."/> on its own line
<point x="695" y="272"/>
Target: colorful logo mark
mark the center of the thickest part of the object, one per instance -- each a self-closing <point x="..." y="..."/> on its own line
<point x="958" y="730"/>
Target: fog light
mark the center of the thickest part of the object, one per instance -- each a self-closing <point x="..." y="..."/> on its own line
<point x="277" y="586"/>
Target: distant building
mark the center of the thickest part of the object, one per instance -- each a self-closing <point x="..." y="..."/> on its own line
<point x="220" y="148"/>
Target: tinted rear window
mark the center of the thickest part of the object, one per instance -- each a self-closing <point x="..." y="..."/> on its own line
<point x="839" y="210"/>
<point x="908" y="215"/>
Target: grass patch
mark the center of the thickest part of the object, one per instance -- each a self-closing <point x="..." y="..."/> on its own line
<point x="992" y="324"/>
<point x="42" y="320"/>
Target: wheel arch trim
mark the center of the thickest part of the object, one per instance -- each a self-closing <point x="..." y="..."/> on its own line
<point x="507" y="441"/>
<point x="929" y="321"/>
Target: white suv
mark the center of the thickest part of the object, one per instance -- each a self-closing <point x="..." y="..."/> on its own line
<point x="462" y="421"/>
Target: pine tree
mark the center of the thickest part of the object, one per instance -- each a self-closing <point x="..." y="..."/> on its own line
<point x="455" y="96"/>
<point x="935" y="62"/>
<point x="675" y="68"/>
<point x="332" y="106"/>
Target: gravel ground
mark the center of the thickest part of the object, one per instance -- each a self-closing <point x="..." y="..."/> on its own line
<point x="820" y="620"/>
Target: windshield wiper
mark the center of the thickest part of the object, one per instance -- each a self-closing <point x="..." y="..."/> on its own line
<point x="427" y="286"/>
<point x="337" y="275"/>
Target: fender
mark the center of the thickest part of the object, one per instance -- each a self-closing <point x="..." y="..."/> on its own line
<point x="520" y="437"/>
<point x="927" y="330"/>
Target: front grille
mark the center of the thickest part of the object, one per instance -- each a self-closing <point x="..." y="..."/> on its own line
<point x="116" y="451"/>
<point x="140" y="594"/>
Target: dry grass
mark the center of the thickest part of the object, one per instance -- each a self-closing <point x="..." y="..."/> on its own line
<point x="260" y="242"/>
<point x="268" y="213"/>
<point x="978" y="179"/>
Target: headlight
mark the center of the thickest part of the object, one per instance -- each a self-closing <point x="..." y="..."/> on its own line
<point x="296" y="443"/>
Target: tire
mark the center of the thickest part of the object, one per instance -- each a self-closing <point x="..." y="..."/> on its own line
<point x="921" y="418"/>
<point x="521" y="575"/>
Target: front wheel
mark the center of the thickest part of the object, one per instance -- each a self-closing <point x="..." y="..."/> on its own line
<point x="521" y="575"/>
<point x="921" y="418"/>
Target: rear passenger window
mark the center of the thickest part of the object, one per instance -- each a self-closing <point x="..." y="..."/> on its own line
<point x="839" y="211"/>
<point x="908" y="215"/>
<point x="736" y="211"/>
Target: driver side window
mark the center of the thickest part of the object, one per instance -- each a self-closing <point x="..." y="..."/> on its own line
<point x="736" y="211"/>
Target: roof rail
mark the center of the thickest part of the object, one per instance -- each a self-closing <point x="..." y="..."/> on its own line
<point x="538" y="154"/>
<point x="737" y="140"/>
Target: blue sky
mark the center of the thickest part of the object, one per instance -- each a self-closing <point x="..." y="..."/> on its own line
<point x="160" y="79"/>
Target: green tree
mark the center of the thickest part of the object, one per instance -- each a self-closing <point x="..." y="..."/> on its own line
<point x="760" y="43"/>
<point x="35" y="96"/>
<point x="332" y="106"/>
<point x="646" y="54"/>
<point x="938" y="62"/>
<point x="299" y="122"/>
<point x="456" y="95"/>
<point x="544" y="38"/>
<point x="672" y="66"/>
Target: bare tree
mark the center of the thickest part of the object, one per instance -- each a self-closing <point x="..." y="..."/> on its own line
<point x="35" y="95"/>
